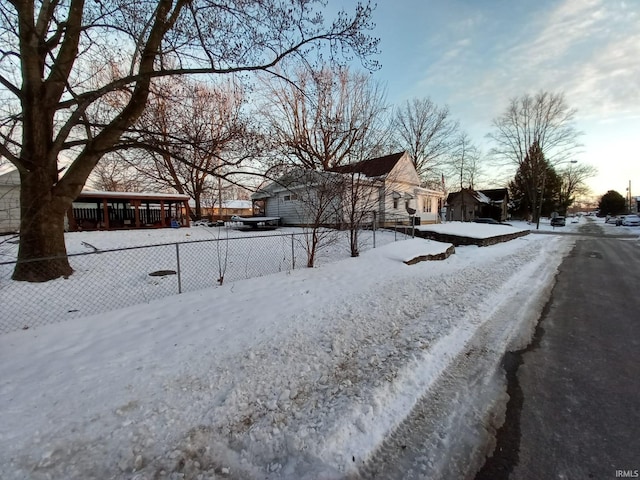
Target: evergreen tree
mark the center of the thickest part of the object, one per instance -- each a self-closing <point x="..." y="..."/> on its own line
<point x="533" y="175"/>
<point x="612" y="203"/>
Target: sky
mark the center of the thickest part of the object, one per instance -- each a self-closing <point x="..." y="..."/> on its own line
<point x="475" y="55"/>
<point x="298" y="375"/>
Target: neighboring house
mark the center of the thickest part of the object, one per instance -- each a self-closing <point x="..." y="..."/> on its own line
<point x="242" y="208"/>
<point x="469" y="204"/>
<point x="390" y="187"/>
<point x="301" y="197"/>
<point x="96" y="210"/>
<point x="9" y="199"/>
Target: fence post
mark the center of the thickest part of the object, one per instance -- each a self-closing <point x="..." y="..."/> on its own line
<point x="373" y="227"/>
<point x="293" y="255"/>
<point x="178" y="267"/>
<point x="374" y="232"/>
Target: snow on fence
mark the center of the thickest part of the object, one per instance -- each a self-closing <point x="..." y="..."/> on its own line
<point x="105" y="280"/>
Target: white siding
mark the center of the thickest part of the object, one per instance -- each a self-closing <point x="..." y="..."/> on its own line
<point x="290" y="211"/>
<point x="10" y="202"/>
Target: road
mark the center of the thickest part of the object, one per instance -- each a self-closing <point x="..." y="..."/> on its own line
<point x="574" y="411"/>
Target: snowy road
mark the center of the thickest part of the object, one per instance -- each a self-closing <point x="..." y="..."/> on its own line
<point x="577" y="385"/>
<point x="306" y="374"/>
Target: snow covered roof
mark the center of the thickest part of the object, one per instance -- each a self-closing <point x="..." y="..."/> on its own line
<point x="86" y="193"/>
<point x="237" y="204"/>
<point x="492" y="196"/>
<point x="481" y="197"/>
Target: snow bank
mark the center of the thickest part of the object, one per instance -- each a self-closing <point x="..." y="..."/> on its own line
<point x="296" y="375"/>
<point x="470" y="229"/>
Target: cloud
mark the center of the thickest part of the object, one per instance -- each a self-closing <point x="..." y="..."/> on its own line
<point x="587" y="49"/>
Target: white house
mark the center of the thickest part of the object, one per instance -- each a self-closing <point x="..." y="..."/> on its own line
<point x="393" y="192"/>
<point x="9" y="199"/>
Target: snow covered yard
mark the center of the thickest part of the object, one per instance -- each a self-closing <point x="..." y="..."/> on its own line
<point x="300" y="374"/>
<point x="106" y="278"/>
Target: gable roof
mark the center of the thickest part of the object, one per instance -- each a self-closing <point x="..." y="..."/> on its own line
<point x="297" y="177"/>
<point x="496" y="194"/>
<point x="374" y="167"/>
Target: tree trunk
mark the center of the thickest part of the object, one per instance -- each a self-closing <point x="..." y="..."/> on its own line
<point x="42" y="254"/>
<point x="198" y="209"/>
<point x="353" y="240"/>
<point x="311" y="252"/>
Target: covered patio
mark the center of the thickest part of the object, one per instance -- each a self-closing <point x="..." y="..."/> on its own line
<point x="97" y="210"/>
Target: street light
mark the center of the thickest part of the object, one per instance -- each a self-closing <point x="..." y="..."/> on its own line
<point x="544" y="177"/>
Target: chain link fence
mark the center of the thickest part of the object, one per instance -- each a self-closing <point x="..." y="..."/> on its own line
<point x="105" y="280"/>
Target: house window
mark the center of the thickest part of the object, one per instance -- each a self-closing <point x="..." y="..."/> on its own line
<point x="288" y="198"/>
<point x="406" y="204"/>
<point x="395" y="203"/>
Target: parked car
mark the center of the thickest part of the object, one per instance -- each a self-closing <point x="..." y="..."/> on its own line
<point x="558" y="222"/>
<point x="611" y="219"/>
<point x="631" y="221"/>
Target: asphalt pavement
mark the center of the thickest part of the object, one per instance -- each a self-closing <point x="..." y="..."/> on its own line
<point x="574" y="411"/>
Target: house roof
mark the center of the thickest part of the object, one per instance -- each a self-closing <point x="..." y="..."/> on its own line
<point x="496" y="194"/>
<point x="374" y="167"/>
<point x="238" y="204"/>
<point x="235" y="204"/>
<point x="296" y="178"/>
<point x="86" y="194"/>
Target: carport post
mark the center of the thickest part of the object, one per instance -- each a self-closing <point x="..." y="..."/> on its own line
<point x="178" y="267"/>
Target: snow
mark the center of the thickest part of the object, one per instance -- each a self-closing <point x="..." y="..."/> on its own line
<point x="573" y="226"/>
<point x="414" y="248"/>
<point x="482" y="198"/>
<point x="299" y="374"/>
<point x="110" y="194"/>
<point x="464" y="229"/>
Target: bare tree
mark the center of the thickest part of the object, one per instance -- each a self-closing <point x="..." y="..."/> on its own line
<point x="534" y="127"/>
<point x="47" y="48"/>
<point x="544" y="119"/>
<point x="325" y="118"/>
<point x="115" y="174"/>
<point x="573" y="183"/>
<point x="361" y="199"/>
<point x="317" y="199"/>
<point x="464" y="161"/>
<point x="196" y="134"/>
<point x="427" y="132"/>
